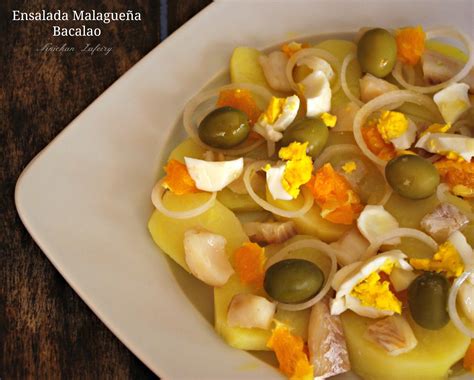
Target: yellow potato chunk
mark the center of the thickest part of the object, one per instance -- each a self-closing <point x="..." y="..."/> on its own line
<point x="245" y="68"/>
<point x="237" y="202"/>
<point x="168" y="233"/>
<point x="188" y="148"/>
<point x="431" y="359"/>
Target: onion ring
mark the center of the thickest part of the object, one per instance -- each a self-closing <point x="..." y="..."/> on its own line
<point x="190" y="108"/>
<point x="318" y="245"/>
<point x="344" y="85"/>
<point x="320" y="53"/>
<point x="157" y="200"/>
<point x="308" y="197"/>
<point x="452" y="308"/>
<point x="392" y="99"/>
<point x="443" y="33"/>
<point x="398" y="233"/>
<point x="444" y="195"/>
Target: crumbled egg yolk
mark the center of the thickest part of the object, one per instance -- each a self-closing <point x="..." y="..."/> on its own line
<point x="274" y="109"/>
<point x="391" y="125"/>
<point x="293" y="47"/>
<point x="459" y="175"/>
<point x="436" y="128"/>
<point x="242" y="100"/>
<point x="298" y="168"/>
<point x="333" y="193"/>
<point x="329" y="120"/>
<point x="177" y="179"/>
<point x="375" y="142"/>
<point x="249" y="263"/>
<point x="376" y="293"/>
<point x="410" y="44"/>
<point x="290" y="352"/>
<point x="446" y="260"/>
<point x="349" y="167"/>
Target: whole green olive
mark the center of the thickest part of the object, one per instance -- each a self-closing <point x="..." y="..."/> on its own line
<point x="427" y="299"/>
<point x="412" y="176"/>
<point x="224" y="128"/>
<point x="313" y="131"/>
<point x="377" y="52"/>
<point x="293" y="280"/>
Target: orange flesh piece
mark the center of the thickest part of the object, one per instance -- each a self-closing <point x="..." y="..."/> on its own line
<point x="456" y="172"/>
<point x="177" y="179"/>
<point x="376" y="143"/>
<point x="249" y="261"/>
<point x="410" y="45"/>
<point x="242" y="100"/>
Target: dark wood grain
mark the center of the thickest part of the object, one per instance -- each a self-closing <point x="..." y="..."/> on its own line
<point x="46" y="331"/>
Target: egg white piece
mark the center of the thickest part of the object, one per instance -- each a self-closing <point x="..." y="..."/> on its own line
<point x="452" y="101"/>
<point x="274" y="183"/>
<point x="406" y="139"/>
<point x="374" y="221"/>
<point x="213" y="175"/>
<point x="317" y="91"/>
<point x="344" y="300"/>
<point x="444" y="143"/>
<point x="317" y="64"/>
<point x="273" y="132"/>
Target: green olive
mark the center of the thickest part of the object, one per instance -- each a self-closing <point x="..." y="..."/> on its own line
<point x="412" y="176"/>
<point x="293" y="280"/>
<point x="377" y="52"/>
<point x="224" y="128"/>
<point x="427" y="299"/>
<point x="313" y="131"/>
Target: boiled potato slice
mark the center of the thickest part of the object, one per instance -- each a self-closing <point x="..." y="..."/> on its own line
<point x="168" y="233"/>
<point x="188" y="148"/>
<point x="431" y="359"/>
<point x="237" y="202"/>
<point x="312" y="222"/>
<point x="245" y="68"/>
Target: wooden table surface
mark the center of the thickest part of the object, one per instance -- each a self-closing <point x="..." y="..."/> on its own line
<point x="46" y="331"/>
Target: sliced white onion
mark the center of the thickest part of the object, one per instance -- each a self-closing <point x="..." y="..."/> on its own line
<point x="410" y="73"/>
<point x="191" y="126"/>
<point x="444" y="195"/>
<point x="387" y="100"/>
<point x="336" y="150"/>
<point x="452" y="308"/>
<point x="440" y="33"/>
<point x="345" y="87"/>
<point x="318" y="245"/>
<point x="308" y="196"/>
<point x="399" y="233"/>
<point x="157" y="200"/>
<point x="320" y="53"/>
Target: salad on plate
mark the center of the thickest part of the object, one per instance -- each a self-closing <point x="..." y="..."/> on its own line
<point x="327" y="196"/>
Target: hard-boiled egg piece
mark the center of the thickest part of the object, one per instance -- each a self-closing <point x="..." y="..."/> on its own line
<point x="365" y="293"/>
<point x="317" y="64"/>
<point x="279" y="114"/>
<point x="452" y="101"/>
<point x="275" y="175"/>
<point x="374" y="221"/>
<point x="317" y="91"/>
<point x="448" y="144"/>
<point x="250" y="311"/>
<point x="213" y="175"/>
<point x="406" y="139"/>
<point x="206" y="257"/>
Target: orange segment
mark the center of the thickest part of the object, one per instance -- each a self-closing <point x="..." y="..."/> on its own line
<point x="376" y="143"/>
<point x="333" y="193"/>
<point x="468" y="361"/>
<point x="290" y="352"/>
<point x="456" y="173"/>
<point x="242" y="100"/>
<point x="410" y="44"/>
<point x="249" y="263"/>
<point x="177" y="179"/>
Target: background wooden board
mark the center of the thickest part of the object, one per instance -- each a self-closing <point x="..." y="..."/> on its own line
<point x="46" y="331"/>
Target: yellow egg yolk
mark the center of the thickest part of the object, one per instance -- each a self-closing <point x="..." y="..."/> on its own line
<point x="376" y="293"/>
<point x="437" y="128"/>
<point x="349" y="167"/>
<point x="274" y="110"/>
<point x="293" y="47"/>
<point x="329" y="120"/>
<point x="446" y="260"/>
<point x="391" y="125"/>
<point x="298" y="167"/>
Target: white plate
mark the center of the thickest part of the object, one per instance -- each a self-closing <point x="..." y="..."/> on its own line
<point x="85" y="199"/>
